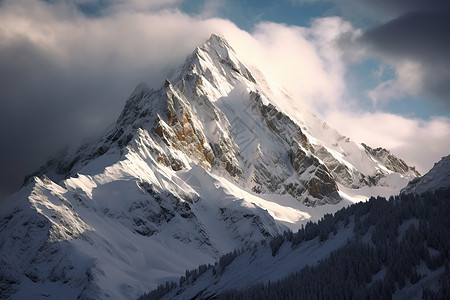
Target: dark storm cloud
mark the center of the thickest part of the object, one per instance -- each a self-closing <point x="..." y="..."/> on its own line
<point x="45" y="106"/>
<point x="400" y="7"/>
<point x="419" y="36"/>
<point x="376" y="11"/>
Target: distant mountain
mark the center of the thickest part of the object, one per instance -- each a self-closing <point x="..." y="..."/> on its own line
<point x="437" y="178"/>
<point x="217" y="158"/>
<point x="379" y="249"/>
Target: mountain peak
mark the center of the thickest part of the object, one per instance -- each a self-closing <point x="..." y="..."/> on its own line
<point x="217" y="42"/>
<point x="217" y="49"/>
<point x="216" y="62"/>
<point x="218" y="37"/>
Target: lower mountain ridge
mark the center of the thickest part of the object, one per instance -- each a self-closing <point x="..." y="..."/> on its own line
<point x="379" y="249"/>
<point x="216" y="159"/>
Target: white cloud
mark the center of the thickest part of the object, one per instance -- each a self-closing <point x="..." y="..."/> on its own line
<point x="408" y="81"/>
<point x="309" y="62"/>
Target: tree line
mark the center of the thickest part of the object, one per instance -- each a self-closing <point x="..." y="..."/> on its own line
<point x="395" y="243"/>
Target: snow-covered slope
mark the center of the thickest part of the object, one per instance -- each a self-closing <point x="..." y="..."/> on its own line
<point x="437" y="178"/>
<point x="258" y="265"/>
<point x="209" y="162"/>
<point x="376" y="249"/>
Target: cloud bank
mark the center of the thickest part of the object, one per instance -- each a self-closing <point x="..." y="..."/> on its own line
<point x="65" y="75"/>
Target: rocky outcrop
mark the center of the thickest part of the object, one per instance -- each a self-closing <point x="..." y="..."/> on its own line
<point x="391" y="162"/>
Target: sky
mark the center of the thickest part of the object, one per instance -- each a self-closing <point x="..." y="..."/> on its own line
<point x="376" y="70"/>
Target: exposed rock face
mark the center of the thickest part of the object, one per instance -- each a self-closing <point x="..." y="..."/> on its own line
<point x="391" y="162"/>
<point x="321" y="185"/>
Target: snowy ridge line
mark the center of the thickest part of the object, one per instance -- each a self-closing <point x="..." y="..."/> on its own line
<point x="437" y="178"/>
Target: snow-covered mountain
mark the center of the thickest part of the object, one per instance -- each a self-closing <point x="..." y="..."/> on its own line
<point x="216" y="159"/>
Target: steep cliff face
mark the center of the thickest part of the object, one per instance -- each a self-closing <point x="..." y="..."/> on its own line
<point x="211" y="161"/>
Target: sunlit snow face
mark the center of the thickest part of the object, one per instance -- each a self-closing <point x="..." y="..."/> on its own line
<point x="194" y="182"/>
